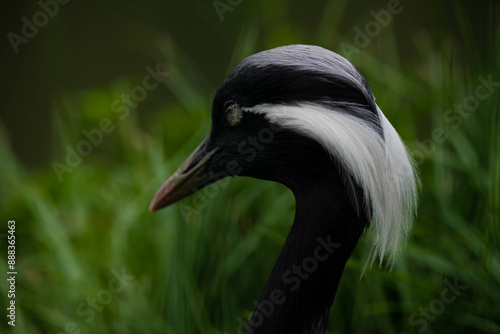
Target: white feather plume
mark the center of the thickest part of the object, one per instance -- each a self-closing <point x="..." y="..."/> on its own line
<point x="382" y="167"/>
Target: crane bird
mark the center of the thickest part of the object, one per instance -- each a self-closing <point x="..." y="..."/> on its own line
<point x="305" y="117"/>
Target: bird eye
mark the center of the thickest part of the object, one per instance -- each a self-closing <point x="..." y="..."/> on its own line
<point x="234" y="114"/>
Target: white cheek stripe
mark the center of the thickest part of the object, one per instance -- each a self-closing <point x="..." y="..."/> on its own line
<point x="382" y="167"/>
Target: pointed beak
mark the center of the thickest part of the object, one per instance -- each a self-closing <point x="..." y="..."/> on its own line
<point x="191" y="176"/>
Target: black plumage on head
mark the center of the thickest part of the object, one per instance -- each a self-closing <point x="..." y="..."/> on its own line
<point x="305" y="117"/>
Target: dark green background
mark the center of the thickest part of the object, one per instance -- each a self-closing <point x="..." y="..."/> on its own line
<point x="198" y="275"/>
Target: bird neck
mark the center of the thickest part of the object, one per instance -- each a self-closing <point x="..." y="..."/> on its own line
<point x="302" y="285"/>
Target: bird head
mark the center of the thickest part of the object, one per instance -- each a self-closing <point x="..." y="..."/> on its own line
<point x="298" y="114"/>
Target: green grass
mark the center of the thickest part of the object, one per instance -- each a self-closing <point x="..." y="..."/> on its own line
<point x="198" y="275"/>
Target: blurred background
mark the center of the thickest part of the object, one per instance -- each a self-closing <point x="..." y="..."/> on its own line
<point x="88" y="134"/>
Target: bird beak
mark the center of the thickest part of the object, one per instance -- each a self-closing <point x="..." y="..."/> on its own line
<point x="191" y="176"/>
